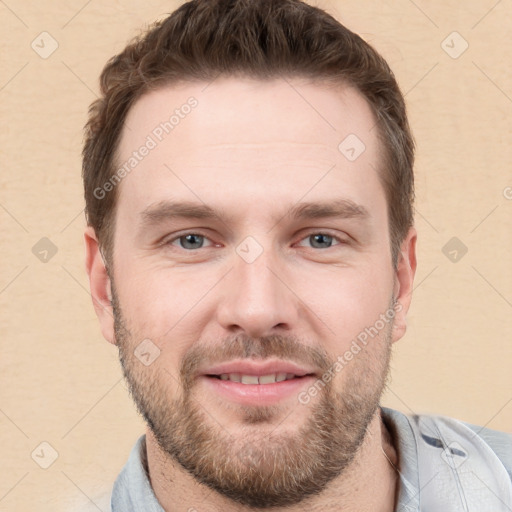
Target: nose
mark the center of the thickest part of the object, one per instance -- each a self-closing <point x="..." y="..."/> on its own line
<point x="257" y="299"/>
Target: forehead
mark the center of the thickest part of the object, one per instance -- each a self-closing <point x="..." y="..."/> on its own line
<point x="243" y="138"/>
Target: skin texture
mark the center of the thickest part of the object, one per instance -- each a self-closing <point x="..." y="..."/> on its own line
<point x="252" y="151"/>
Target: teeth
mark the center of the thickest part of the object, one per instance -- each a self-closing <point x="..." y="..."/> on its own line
<point x="249" y="379"/>
<point x="254" y="379"/>
<point x="267" y="379"/>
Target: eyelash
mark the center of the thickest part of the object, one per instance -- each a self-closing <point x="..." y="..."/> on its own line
<point x="198" y="233"/>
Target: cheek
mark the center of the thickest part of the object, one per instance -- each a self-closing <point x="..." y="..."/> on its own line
<point x="167" y="306"/>
<point x="158" y="297"/>
<point x="348" y="301"/>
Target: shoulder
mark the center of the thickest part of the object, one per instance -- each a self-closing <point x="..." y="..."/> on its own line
<point x="438" y="431"/>
<point x="451" y="463"/>
<point x="499" y="442"/>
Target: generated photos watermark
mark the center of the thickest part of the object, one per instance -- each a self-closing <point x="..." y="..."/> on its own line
<point x="357" y="344"/>
<point x="156" y="136"/>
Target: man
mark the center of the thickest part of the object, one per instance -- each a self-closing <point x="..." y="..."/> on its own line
<point x="251" y="252"/>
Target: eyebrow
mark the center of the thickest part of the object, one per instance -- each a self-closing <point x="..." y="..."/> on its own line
<point x="166" y="210"/>
<point x="342" y="208"/>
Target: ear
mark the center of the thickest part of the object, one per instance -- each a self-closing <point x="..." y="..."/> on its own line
<point x="99" y="283"/>
<point x="404" y="279"/>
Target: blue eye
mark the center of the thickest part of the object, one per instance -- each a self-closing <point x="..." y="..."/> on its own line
<point x="194" y="241"/>
<point x="190" y="241"/>
<point x="321" y="241"/>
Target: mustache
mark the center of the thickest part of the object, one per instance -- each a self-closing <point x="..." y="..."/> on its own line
<point x="242" y="346"/>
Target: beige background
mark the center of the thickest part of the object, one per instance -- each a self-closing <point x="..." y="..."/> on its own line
<point x="61" y="382"/>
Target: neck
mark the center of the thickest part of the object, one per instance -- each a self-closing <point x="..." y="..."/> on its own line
<point x="368" y="484"/>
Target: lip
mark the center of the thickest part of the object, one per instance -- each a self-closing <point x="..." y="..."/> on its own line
<point x="247" y="367"/>
<point x="257" y="394"/>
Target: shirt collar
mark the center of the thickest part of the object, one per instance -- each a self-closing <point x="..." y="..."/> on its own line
<point x="132" y="489"/>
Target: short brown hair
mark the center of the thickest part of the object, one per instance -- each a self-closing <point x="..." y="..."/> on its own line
<point x="261" y="39"/>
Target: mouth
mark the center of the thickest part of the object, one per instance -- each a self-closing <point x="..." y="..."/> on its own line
<point x="257" y="383"/>
<point x="271" y="378"/>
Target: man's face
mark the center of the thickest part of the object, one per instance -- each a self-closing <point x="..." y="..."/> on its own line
<point x="266" y="289"/>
